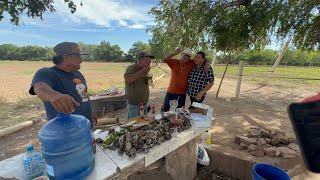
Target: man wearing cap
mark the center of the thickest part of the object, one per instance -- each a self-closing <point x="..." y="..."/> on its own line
<point x="62" y="88"/>
<point x="180" y="70"/>
<point x="136" y="84"/>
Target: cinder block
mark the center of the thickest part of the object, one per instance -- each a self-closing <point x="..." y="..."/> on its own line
<point x="238" y="164"/>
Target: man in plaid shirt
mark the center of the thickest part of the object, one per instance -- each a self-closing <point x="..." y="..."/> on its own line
<point x="199" y="81"/>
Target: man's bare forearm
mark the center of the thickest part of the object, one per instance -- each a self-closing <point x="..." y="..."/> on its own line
<point x="44" y="91"/>
<point x="176" y="52"/>
<point x="133" y="77"/>
<point x="208" y="87"/>
<point x="168" y="57"/>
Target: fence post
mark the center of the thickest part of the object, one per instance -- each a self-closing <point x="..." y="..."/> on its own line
<point x="241" y="63"/>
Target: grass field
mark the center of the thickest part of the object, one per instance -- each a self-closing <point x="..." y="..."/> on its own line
<point x="258" y="73"/>
<point x="15" y="78"/>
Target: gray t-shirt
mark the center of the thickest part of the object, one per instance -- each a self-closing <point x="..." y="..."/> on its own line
<point x="71" y="83"/>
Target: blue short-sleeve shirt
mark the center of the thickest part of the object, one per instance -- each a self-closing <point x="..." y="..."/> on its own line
<point x="71" y="83"/>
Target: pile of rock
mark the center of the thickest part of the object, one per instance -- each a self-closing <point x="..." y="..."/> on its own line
<point x="260" y="142"/>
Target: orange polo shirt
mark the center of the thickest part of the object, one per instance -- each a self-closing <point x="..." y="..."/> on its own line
<point x="179" y="75"/>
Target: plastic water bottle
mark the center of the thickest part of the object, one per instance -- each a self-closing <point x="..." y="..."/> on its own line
<point x="32" y="162"/>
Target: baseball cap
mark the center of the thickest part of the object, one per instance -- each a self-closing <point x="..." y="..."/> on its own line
<point x="143" y="54"/>
<point x="67" y="48"/>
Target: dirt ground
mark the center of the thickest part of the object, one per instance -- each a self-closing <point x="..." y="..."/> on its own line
<point x="257" y="106"/>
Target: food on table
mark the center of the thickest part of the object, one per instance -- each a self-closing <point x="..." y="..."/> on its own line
<point x="141" y="140"/>
<point x="113" y="137"/>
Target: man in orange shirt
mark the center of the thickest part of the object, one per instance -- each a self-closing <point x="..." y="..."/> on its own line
<point x="180" y="70"/>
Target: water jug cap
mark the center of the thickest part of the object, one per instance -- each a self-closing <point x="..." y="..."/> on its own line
<point x="29" y="148"/>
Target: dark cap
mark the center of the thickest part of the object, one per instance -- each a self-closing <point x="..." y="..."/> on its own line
<point x="67" y="48"/>
<point x="144" y="54"/>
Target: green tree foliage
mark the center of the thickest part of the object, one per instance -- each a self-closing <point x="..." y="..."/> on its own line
<point x="104" y="52"/>
<point x="88" y="48"/>
<point x="33" y="8"/>
<point x="137" y="47"/>
<point x="160" y="44"/>
<point x="236" y="26"/>
<point x="13" y="52"/>
<point x="107" y="52"/>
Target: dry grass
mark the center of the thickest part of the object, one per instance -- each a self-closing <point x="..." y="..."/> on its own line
<point x="26" y="108"/>
<point x="25" y="102"/>
<point x="16" y="105"/>
<point x="16" y="76"/>
<point x="3" y="100"/>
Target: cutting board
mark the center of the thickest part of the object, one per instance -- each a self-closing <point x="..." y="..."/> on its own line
<point x="139" y="122"/>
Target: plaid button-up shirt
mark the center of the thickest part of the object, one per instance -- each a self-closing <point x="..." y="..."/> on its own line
<point x="198" y="80"/>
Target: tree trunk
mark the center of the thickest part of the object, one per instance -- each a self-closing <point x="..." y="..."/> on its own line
<point x="224" y="73"/>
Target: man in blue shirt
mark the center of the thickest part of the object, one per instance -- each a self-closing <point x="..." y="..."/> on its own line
<point x="62" y="88"/>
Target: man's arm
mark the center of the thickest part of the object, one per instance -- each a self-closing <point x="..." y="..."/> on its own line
<point x="61" y="102"/>
<point x="44" y="91"/>
<point x="176" y="52"/>
<point x="204" y="90"/>
<point x="207" y="88"/>
<point x="210" y="80"/>
<point x="312" y="99"/>
<point x="207" y="67"/>
<point x="130" y="78"/>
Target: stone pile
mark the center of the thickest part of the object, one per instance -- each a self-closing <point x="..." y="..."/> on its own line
<point x="260" y="142"/>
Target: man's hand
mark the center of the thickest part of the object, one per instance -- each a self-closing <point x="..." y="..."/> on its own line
<point x="207" y="67"/>
<point x="199" y="96"/>
<point x="64" y="103"/>
<point x="130" y="78"/>
<point x="145" y="70"/>
<point x="178" y="51"/>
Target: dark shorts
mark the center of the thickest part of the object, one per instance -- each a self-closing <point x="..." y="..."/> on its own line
<point x="171" y="96"/>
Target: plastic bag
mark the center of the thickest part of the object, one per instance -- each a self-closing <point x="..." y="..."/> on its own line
<point x="203" y="157"/>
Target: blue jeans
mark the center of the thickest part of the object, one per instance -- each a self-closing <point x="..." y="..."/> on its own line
<point x="171" y="96"/>
<point x="133" y="111"/>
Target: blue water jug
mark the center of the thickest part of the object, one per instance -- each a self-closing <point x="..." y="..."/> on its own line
<point x="32" y="163"/>
<point x="67" y="147"/>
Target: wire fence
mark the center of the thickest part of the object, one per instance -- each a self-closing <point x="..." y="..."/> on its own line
<point x="271" y="77"/>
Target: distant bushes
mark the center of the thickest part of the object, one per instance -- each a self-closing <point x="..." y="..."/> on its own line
<point x="268" y="57"/>
<point x="104" y="52"/>
<point x="32" y="53"/>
